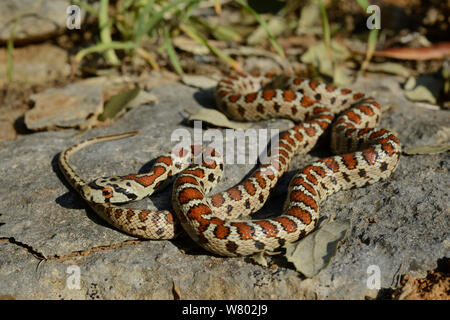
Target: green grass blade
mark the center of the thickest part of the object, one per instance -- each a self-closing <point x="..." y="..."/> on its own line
<point x="105" y="33"/>
<point x="159" y="15"/>
<point x="171" y="52"/>
<point x="10" y="49"/>
<point x="326" y="28"/>
<point x="142" y="20"/>
<point x="102" y="47"/>
<point x="372" y="39"/>
<point x="86" y="7"/>
<point x="260" y="20"/>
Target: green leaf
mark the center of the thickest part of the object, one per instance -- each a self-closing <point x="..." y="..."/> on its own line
<point x="429" y="149"/>
<point x="171" y="52"/>
<point x="117" y="103"/>
<point x="313" y="253"/>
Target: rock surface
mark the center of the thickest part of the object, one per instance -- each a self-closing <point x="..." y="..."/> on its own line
<point x="33" y="20"/>
<point x="48" y="234"/>
<point x="35" y="64"/>
<point x="69" y="106"/>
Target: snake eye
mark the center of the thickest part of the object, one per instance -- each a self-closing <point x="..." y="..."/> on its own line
<point x="107" y="192"/>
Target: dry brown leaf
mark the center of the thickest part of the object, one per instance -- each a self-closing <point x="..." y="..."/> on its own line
<point x="437" y="51"/>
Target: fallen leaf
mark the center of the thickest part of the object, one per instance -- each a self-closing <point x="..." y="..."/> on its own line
<point x="216" y="118"/>
<point x="117" y="103"/>
<point x="425" y="88"/>
<point x="201" y="82"/>
<point x="428" y="149"/>
<point x="436" y="51"/>
<point x="176" y="291"/>
<point x="318" y="56"/>
<point x="276" y="25"/>
<point x="390" y="68"/>
<point x="259" y="259"/>
<point x="313" y="253"/>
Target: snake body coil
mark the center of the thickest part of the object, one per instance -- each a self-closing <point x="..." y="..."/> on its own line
<point x="365" y="155"/>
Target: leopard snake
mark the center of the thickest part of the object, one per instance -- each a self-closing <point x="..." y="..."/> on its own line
<point x="365" y="155"/>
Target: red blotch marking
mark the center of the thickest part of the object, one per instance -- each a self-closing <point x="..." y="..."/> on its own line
<point x="244" y="230"/>
<point x="249" y="187"/>
<point x="251" y="97"/>
<point x="130" y="213"/>
<point x="185" y="179"/>
<point x="234" y="98"/>
<point x="297" y="81"/>
<point x="299" y="196"/>
<point x="143" y="215"/>
<point x="309" y="176"/>
<point x="284" y="153"/>
<point x="289" y="95"/>
<point x="259" y="179"/>
<point x="223" y="93"/>
<point x="370" y="155"/>
<point x="118" y="213"/>
<point x="388" y="148"/>
<point x="231" y="77"/>
<point x="330" y="88"/>
<point x="349" y="160"/>
<point x="234" y="194"/>
<point x="331" y="164"/>
<point x="169" y="218"/>
<point x="310" y="131"/>
<point x="303" y="215"/>
<point x="221" y="232"/>
<point x="318" y="110"/>
<point x="217" y="200"/>
<point x="189" y="194"/>
<point x="313" y="84"/>
<point x="349" y="131"/>
<point x="358" y="96"/>
<point x="195" y="172"/>
<point x="148" y="179"/>
<point x="346" y="91"/>
<point x="300" y="181"/>
<point x="286" y="146"/>
<point x="376" y="104"/>
<point x="307" y="101"/>
<point x="269" y="229"/>
<point x="353" y="117"/>
<point x="268" y="94"/>
<point x="362" y="132"/>
<point x="298" y="136"/>
<point x="288" y="225"/>
<point x="366" y="110"/>
<point x="378" y="133"/>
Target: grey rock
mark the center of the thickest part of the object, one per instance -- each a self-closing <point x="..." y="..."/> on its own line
<point x="36" y="20"/>
<point x="69" y="106"/>
<point x="35" y="64"/>
<point x="46" y="227"/>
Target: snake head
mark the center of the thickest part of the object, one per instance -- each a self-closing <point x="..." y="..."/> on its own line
<point x="106" y="190"/>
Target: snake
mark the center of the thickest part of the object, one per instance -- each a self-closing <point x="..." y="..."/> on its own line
<point x="364" y="154"/>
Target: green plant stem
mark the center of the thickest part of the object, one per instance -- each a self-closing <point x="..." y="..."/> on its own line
<point x="102" y="47"/>
<point x="326" y="31"/>
<point x="105" y="33"/>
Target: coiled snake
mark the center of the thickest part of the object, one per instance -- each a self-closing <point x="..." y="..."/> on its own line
<point x="365" y="155"/>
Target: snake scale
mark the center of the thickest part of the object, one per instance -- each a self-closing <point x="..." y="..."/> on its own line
<point x="365" y="155"/>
